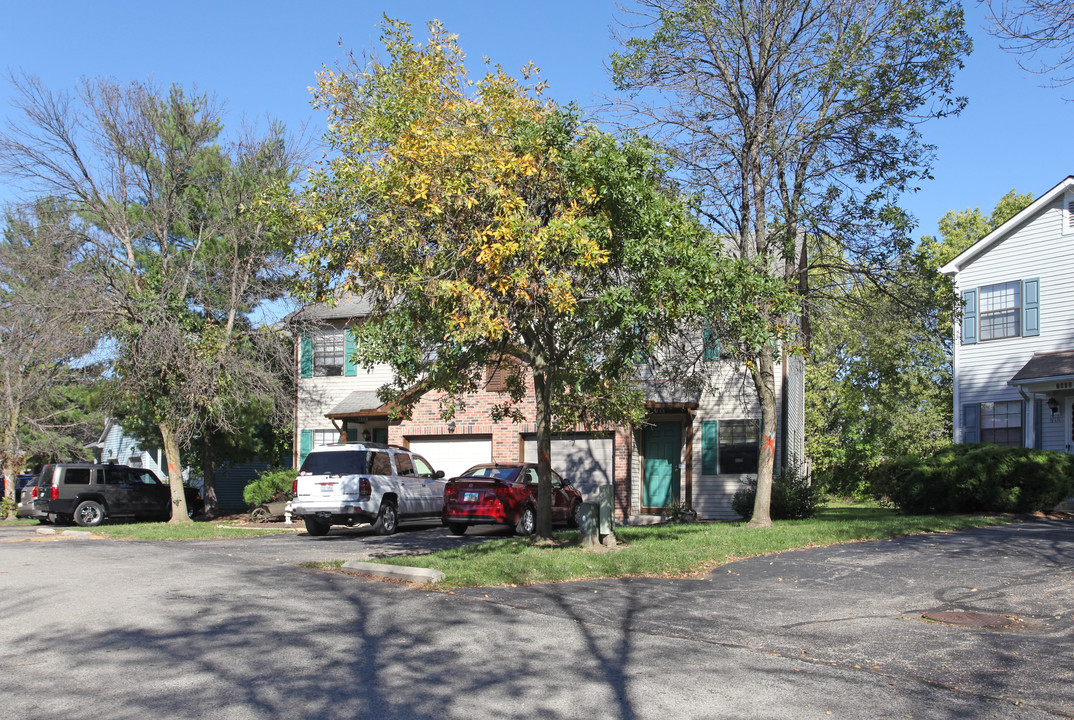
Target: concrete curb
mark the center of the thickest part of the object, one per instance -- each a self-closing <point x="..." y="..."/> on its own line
<point x="395" y="572"/>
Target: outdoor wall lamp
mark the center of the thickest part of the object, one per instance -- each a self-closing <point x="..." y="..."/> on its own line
<point x="451" y="426"/>
<point x="1053" y="405"/>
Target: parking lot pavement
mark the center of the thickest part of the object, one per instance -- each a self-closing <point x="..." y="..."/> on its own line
<point x="233" y="629"/>
<point x="862" y="606"/>
<point x="341" y="543"/>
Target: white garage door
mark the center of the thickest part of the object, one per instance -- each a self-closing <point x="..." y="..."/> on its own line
<point x="453" y="454"/>
<point x="587" y="461"/>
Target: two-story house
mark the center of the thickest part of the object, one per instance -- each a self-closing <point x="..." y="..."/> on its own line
<point x="1014" y="347"/>
<point x="694" y="448"/>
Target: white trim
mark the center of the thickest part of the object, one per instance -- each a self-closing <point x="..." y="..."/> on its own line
<point x="956" y="345"/>
<point x="985" y="243"/>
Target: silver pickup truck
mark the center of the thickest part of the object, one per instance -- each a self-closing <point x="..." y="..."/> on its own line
<point x="351" y="483"/>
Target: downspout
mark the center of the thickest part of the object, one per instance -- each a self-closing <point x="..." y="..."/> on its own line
<point x="1031" y="412"/>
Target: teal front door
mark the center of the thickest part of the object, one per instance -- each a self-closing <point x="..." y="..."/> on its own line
<point x="663" y="445"/>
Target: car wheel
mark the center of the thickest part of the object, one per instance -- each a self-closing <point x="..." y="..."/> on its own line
<point x="457" y="528"/>
<point x="527" y="522"/>
<point x="575" y="518"/>
<point x="317" y="527"/>
<point x="89" y="513"/>
<point x="260" y="514"/>
<point x="386" y="519"/>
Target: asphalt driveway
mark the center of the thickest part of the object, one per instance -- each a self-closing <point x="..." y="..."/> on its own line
<point x="236" y="629"/>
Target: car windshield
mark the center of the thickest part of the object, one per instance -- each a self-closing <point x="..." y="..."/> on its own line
<point x="344" y="462"/>
<point x="492" y="471"/>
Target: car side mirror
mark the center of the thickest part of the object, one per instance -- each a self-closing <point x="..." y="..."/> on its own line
<point x="439" y="474"/>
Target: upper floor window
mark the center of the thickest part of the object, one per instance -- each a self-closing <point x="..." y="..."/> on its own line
<point x="1004" y="310"/>
<point x="1001" y="306"/>
<point x="328" y="354"/>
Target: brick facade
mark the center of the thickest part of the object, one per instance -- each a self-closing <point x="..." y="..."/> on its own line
<point x="508" y="437"/>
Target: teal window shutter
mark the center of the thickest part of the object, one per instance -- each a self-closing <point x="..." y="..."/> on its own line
<point x="305" y="357"/>
<point x="712" y="345"/>
<point x="352" y="433"/>
<point x="971" y="423"/>
<point x="969" y="316"/>
<point x="710" y="450"/>
<point x="349" y="368"/>
<point x="305" y="445"/>
<point x="1031" y="307"/>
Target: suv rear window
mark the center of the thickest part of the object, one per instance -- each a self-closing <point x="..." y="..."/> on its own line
<point x="76" y="476"/>
<point x="346" y="462"/>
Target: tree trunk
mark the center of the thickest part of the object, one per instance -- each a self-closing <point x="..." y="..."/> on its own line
<point x="764" y="379"/>
<point x="543" y="396"/>
<point x="10" y="471"/>
<point x="175" y="474"/>
<point x="208" y="488"/>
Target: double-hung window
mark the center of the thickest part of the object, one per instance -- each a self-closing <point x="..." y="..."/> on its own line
<point x="1001" y="423"/>
<point x="1001" y="307"/>
<point x="328" y="354"/>
<point x="1003" y="310"/>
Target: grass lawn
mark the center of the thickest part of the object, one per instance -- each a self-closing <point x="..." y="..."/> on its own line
<point x="672" y="550"/>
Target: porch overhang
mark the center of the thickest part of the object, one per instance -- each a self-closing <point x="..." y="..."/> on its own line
<point x="1046" y="372"/>
<point x="359" y="405"/>
<point x="670" y="396"/>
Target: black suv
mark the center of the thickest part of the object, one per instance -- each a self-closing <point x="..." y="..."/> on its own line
<point x="87" y="493"/>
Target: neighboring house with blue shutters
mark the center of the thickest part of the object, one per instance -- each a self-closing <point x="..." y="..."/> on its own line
<point x="1013" y="363"/>
<point x="115" y="445"/>
<point x="694" y="448"/>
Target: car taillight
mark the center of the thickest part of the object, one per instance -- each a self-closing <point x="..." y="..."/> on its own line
<point x="33" y="492"/>
<point x="54" y="493"/>
<point x="294" y="488"/>
<point x="364" y="488"/>
<point x="451" y="494"/>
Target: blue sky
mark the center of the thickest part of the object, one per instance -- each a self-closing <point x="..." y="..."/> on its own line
<point x="261" y="57"/>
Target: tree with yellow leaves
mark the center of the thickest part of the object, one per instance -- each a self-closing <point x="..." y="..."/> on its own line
<point x="490" y="227"/>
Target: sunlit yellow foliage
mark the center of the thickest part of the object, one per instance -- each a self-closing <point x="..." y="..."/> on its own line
<point x="455" y="182"/>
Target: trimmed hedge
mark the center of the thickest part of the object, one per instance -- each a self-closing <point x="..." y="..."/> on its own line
<point x="268" y="485"/>
<point x="793" y="498"/>
<point x="975" y="478"/>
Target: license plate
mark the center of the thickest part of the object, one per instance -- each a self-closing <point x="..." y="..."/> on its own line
<point x="327" y="487"/>
<point x="470" y="496"/>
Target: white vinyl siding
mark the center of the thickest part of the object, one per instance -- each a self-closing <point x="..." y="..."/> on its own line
<point x="734" y="400"/>
<point x="1041" y="256"/>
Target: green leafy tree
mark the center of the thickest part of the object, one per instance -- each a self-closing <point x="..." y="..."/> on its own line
<point x="794" y="120"/>
<point x="879" y="381"/>
<point x="175" y="213"/>
<point x="491" y="228"/>
<point x="50" y="322"/>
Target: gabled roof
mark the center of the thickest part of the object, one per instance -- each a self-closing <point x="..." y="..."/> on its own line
<point x="994" y="237"/>
<point x="344" y="309"/>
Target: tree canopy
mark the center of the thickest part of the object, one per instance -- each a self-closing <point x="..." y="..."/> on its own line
<point x="492" y="228"/>
<point x="794" y="121"/>
<point x="880" y="383"/>
<point x="182" y="249"/>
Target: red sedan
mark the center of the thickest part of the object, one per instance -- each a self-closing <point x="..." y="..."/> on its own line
<point x="505" y="494"/>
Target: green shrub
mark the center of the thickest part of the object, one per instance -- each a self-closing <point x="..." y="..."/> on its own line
<point x="975" y="478"/>
<point x="270" y="485"/>
<point x="793" y="497"/>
